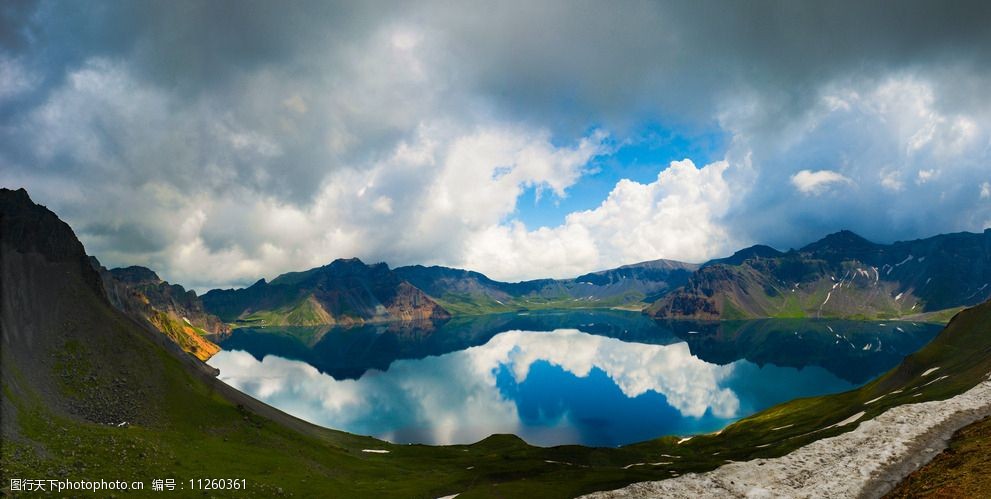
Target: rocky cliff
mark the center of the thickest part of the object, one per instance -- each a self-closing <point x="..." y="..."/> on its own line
<point x="176" y="312"/>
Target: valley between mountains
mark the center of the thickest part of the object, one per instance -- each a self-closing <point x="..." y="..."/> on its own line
<point x="102" y="372"/>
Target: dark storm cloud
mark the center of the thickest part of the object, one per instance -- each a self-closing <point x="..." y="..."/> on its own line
<point x="178" y="116"/>
<point x="683" y="59"/>
<point x="574" y="62"/>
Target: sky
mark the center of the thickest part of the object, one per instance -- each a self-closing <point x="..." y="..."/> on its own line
<point x="220" y="142"/>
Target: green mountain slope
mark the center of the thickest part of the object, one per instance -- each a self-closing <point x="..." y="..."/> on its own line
<point x="472" y="293"/>
<point x="345" y="292"/>
<point x="842" y="275"/>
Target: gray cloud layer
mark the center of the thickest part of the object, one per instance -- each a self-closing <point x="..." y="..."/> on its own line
<point x="220" y="141"/>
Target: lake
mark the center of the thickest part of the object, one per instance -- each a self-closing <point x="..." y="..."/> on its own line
<point x="599" y="378"/>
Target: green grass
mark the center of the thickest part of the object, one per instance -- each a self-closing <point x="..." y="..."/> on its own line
<point x="471" y="304"/>
<point x="305" y="312"/>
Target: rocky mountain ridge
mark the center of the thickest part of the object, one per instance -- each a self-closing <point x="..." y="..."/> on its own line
<point x="169" y="308"/>
<point x="841" y="275"/>
<point x="469" y="292"/>
<point x="344" y="292"/>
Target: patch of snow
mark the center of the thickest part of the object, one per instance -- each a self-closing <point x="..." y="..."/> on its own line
<point x="375" y="451"/>
<point x="899" y="297"/>
<point x="903" y="262"/>
<point x="866" y="461"/>
<point x="782" y="427"/>
<point x="866" y="347"/>
<point x="935" y="380"/>
<point x="930" y="371"/>
<point x="849" y="420"/>
<point x="452" y="496"/>
<point x="684" y="440"/>
<point x="871" y="401"/>
<point x="978" y="291"/>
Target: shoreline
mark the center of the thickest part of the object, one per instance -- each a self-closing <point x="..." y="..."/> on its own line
<point x="868" y="461"/>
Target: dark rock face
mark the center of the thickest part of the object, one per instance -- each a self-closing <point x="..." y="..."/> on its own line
<point x="31" y="228"/>
<point x="842" y="275"/>
<point x="343" y="292"/>
<point x="62" y="342"/>
<point x="438" y="281"/>
<point x="135" y="275"/>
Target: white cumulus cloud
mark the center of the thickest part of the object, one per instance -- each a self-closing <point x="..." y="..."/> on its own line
<point x="678" y="216"/>
<point x="817" y="182"/>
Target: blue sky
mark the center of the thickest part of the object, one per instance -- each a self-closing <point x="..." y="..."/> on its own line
<point x="217" y="149"/>
<point x="639" y="158"/>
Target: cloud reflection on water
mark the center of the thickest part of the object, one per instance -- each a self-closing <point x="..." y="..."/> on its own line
<point x="455" y="397"/>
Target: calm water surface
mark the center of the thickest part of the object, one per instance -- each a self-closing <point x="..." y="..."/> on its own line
<point x="591" y="378"/>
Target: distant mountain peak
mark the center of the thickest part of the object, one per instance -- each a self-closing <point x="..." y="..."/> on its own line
<point x="755" y="251"/>
<point x="135" y="274"/>
<point x="843" y="240"/>
<point x="32" y="228"/>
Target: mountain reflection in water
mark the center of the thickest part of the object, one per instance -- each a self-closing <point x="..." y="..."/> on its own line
<point x="599" y="378"/>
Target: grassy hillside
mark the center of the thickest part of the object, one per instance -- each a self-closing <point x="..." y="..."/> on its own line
<point x="464" y="292"/>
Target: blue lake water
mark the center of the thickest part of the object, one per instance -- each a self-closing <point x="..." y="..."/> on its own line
<point x="591" y="378"/>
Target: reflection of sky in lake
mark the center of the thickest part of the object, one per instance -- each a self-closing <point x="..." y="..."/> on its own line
<point x="550" y="388"/>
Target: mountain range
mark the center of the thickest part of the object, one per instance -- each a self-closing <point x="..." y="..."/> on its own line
<point x="345" y="292"/>
<point x="840" y="276"/>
